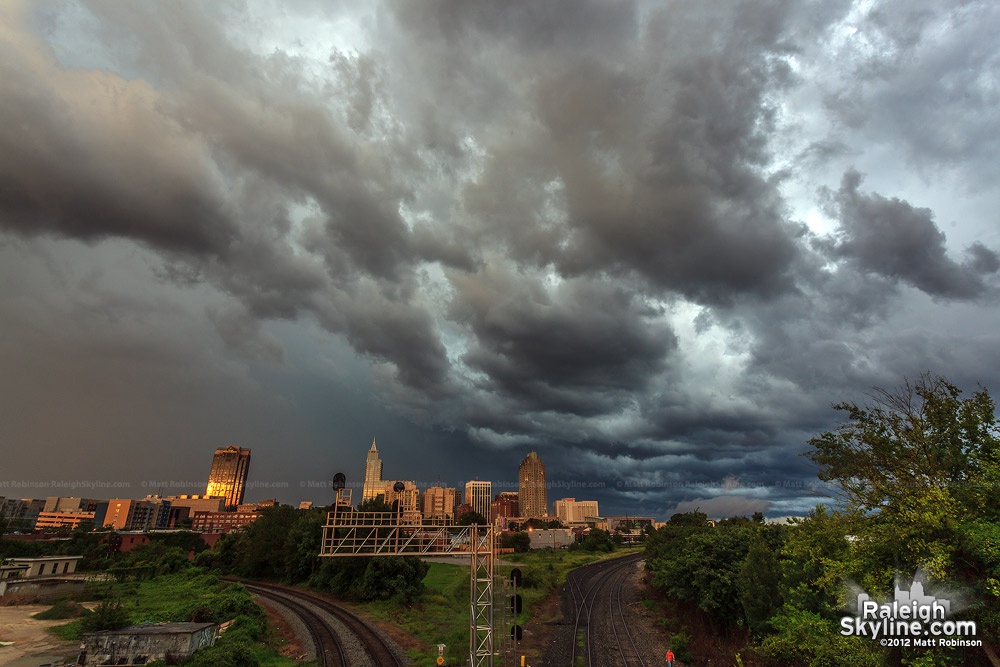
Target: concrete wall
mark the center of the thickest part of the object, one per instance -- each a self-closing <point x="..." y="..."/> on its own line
<point x="120" y="648"/>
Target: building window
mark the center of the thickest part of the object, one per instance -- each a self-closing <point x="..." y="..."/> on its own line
<point x="65" y="567"/>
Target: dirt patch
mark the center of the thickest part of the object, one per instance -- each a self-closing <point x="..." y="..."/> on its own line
<point x="286" y="640"/>
<point x="31" y="636"/>
<point x="539" y="632"/>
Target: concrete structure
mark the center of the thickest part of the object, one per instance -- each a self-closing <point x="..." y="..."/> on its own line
<point x="374" y="484"/>
<point x="305" y="505"/>
<point x="228" y="476"/>
<point x="438" y="502"/>
<point x="462" y="509"/>
<point x="195" y="503"/>
<point x="571" y="510"/>
<point x="532" y="494"/>
<point x="127" y="514"/>
<point x="69" y="504"/>
<point x="62" y="519"/>
<point x="550" y="538"/>
<point x="478" y="495"/>
<point x="47" y="565"/>
<point x="24" y="510"/>
<point x="221" y="522"/>
<point x="504" y="506"/>
<point x="629" y="522"/>
<point x="139" y="644"/>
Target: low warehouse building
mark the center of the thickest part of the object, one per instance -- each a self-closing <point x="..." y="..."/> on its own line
<point x="139" y="644"/>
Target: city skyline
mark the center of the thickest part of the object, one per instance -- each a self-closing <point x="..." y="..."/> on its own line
<point x="652" y="242"/>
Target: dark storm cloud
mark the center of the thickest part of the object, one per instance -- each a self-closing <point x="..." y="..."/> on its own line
<point x="894" y="239"/>
<point x="560" y="349"/>
<point x="554" y="225"/>
<point x="77" y="159"/>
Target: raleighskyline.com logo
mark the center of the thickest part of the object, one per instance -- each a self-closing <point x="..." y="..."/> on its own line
<point x="911" y="619"/>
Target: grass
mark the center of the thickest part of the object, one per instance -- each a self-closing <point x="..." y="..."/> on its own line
<point x="441" y="616"/>
<point x="169" y="598"/>
<point x="61" y="610"/>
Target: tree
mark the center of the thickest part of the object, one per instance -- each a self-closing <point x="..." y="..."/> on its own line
<point x="917" y="474"/>
<point x="471" y="519"/>
<point x="920" y="436"/>
<point x="757" y="584"/>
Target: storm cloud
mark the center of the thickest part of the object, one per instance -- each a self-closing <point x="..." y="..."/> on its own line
<point x="654" y="242"/>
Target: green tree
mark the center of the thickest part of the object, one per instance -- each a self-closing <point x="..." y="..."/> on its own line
<point x="471" y="519"/>
<point x="917" y="473"/>
<point x="107" y="615"/>
<point x="758" y="583"/>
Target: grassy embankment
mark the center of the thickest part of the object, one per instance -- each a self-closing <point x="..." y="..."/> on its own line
<point x="185" y="596"/>
<point x="441" y="616"/>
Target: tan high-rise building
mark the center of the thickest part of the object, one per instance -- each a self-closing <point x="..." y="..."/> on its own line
<point x="571" y="510"/>
<point x="374" y="486"/>
<point x="439" y="503"/>
<point x="228" y="478"/>
<point x="532" y="496"/>
<point x="478" y="496"/>
<point x="409" y="507"/>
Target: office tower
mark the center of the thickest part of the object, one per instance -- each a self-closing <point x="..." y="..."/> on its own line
<point x="532" y="497"/>
<point x="571" y="510"/>
<point x="374" y="486"/>
<point x="408" y="499"/>
<point x="504" y="506"/>
<point x="228" y="477"/>
<point x="478" y="495"/>
<point x="439" y="503"/>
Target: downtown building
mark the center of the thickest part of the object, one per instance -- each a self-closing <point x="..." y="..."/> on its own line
<point x="571" y="510"/>
<point x="532" y="495"/>
<point x="478" y="496"/>
<point x="228" y="476"/>
<point x="438" y="503"/>
<point x="374" y="485"/>
<point x="503" y="507"/>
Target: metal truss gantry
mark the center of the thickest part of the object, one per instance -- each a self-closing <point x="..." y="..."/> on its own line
<point x="349" y="532"/>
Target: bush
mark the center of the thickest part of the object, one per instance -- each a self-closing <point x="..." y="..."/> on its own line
<point x="61" y="610"/>
<point x="679" y="645"/>
<point x="106" y="616"/>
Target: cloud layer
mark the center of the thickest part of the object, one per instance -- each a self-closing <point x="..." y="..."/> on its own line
<point x="636" y="237"/>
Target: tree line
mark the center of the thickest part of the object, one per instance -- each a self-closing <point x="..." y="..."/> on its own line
<point x="915" y="492"/>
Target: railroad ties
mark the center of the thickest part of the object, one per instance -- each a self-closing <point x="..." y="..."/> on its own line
<point x="586" y="585"/>
<point x="329" y="650"/>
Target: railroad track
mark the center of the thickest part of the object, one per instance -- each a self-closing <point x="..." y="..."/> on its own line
<point x="329" y="651"/>
<point x="585" y="585"/>
<point x="619" y="626"/>
<point x="379" y="653"/>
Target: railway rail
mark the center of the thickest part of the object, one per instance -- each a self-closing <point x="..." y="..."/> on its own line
<point x="329" y="650"/>
<point x="586" y="584"/>
<point x="376" y="648"/>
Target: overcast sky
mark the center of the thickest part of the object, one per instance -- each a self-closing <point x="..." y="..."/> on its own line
<point x="654" y="242"/>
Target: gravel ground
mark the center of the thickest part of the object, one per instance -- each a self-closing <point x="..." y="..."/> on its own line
<point x="305" y="640"/>
<point x="647" y="632"/>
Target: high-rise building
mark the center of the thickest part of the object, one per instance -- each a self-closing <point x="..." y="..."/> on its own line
<point x="478" y="495"/>
<point x="571" y="510"/>
<point x="408" y="499"/>
<point x="532" y="497"/>
<point x="438" y="503"/>
<point x="504" y="506"/>
<point x="374" y="486"/>
<point x="127" y="514"/>
<point x="228" y="477"/>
